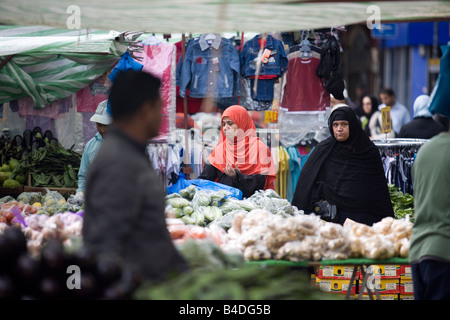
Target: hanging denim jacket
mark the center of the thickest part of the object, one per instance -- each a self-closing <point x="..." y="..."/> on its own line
<point x="210" y="69"/>
<point x="276" y="64"/>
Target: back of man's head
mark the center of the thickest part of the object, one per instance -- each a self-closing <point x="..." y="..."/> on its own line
<point x="388" y="91"/>
<point x="130" y="91"/>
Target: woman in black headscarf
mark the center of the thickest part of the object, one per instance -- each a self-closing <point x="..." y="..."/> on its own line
<point x="344" y="173"/>
<point x="368" y="107"/>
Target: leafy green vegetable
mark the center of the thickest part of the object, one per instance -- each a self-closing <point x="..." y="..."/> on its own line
<point x="402" y="203"/>
<point x="51" y="166"/>
<point x="178" y="202"/>
<point x="248" y="282"/>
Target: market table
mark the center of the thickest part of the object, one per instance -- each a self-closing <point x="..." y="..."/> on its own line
<point x="357" y="263"/>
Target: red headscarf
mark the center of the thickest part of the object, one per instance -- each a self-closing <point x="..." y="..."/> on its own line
<point x="247" y="153"/>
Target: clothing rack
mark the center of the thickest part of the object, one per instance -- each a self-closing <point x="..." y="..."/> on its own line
<point x="396" y="142"/>
<point x="398" y="157"/>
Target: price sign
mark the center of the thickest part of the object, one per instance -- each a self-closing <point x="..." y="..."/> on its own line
<point x="386" y="125"/>
<point x="270" y="116"/>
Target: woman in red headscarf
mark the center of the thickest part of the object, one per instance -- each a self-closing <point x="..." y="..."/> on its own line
<point x="240" y="159"/>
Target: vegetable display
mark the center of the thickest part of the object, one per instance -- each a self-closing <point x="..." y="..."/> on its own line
<point x="46" y="276"/>
<point x="203" y="207"/>
<point x="51" y="166"/>
<point x="31" y="203"/>
<point x="402" y="203"/>
<point x="261" y="235"/>
<point x="248" y="282"/>
<point x="15" y="150"/>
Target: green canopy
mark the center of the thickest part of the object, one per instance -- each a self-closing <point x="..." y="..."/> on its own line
<point x="49" y="63"/>
<point x="198" y="16"/>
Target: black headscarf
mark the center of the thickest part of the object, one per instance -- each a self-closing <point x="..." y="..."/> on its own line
<point x="374" y="109"/>
<point x="348" y="174"/>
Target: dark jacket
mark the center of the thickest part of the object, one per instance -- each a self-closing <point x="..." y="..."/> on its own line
<point x="248" y="184"/>
<point x="124" y="209"/>
<point x="421" y="128"/>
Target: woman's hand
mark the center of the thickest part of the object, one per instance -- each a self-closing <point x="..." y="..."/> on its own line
<point x="230" y="171"/>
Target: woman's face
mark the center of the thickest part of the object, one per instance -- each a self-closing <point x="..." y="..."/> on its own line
<point x="341" y="130"/>
<point x="367" y="105"/>
<point x="229" y="128"/>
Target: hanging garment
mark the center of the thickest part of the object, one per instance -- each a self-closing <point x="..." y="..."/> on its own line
<point x="90" y="96"/>
<point x="304" y="154"/>
<point x="294" y="171"/>
<point x="210" y="69"/>
<point x="439" y="97"/>
<point x="26" y="108"/>
<point x="276" y="62"/>
<point x="283" y="167"/>
<point x="254" y="105"/>
<point x="272" y="66"/>
<point x="329" y="68"/>
<point x="304" y="90"/>
<point x="159" y="60"/>
<point x="193" y="104"/>
<point x="126" y="62"/>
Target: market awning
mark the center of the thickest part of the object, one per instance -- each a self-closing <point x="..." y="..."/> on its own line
<point x="174" y="16"/>
<point x="49" y="63"/>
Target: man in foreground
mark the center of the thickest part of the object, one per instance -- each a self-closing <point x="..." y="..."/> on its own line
<point x="124" y="209"/>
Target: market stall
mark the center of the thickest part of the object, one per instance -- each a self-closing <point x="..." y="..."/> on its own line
<point x="54" y="78"/>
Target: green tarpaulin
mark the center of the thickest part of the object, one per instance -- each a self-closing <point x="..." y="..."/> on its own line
<point x="172" y="16"/>
<point x="48" y="64"/>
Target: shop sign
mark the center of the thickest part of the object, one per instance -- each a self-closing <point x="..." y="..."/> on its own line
<point x="386" y="125"/>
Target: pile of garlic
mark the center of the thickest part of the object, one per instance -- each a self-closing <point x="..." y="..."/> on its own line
<point x="62" y="226"/>
<point x="385" y="239"/>
<point x="261" y="235"/>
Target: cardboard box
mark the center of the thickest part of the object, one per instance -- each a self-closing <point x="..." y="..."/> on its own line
<point x="383" y="271"/>
<point x="406" y="286"/>
<point x="405" y="272"/>
<point x="335" y="285"/>
<point x="382" y="297"/>
<point x="406" y="296"/>
<point x="384" y="286"/>
<point x="313" y="279"/>
<point x="335" y="272"/>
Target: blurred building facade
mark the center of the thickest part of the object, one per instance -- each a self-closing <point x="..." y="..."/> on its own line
<point x="403" y="56"/>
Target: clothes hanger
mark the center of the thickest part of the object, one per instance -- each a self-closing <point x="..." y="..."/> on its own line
<point x="305" y="46"/>
<point x="151" y="40"/>
<point x="210" y="37"/>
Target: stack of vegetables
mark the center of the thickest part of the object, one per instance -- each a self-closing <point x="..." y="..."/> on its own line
<point x="42" y="217"/>
<point x="261" y="235"/>
<point x="203" y="207"/>
<point x="30" y="203"/>
<point x="51" y="165"/>
<point x="216" y="275"/>
<point x="402" y="203"/>
<point x="13" y="151"/>
<point x="47" y="275"/>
